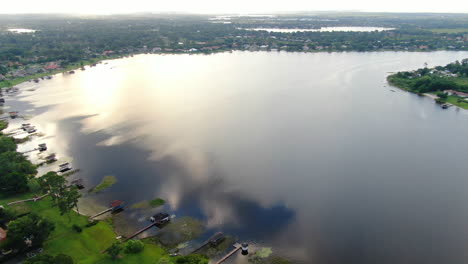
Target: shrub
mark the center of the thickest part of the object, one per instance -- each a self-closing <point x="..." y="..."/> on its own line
<point x="77" y="228"/>
<point x="134" y="246"/>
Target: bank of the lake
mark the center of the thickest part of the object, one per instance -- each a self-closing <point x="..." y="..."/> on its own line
<point x="86" y="245"/>
<point x="447" y="85"/>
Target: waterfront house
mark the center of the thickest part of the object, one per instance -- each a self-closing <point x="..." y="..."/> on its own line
<point x="456" y="93"/>
<point x="3" y="234"/>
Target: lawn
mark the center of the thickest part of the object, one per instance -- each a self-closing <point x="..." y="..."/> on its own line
<point x="454" y="100"/>
<point x="84" y="247"/>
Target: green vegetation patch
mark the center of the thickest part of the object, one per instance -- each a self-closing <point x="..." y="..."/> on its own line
<point x="106" y="182"/>
<point x="3" y="124"/>
<point x="149" y="204"/>
<point x="180" y="230"/>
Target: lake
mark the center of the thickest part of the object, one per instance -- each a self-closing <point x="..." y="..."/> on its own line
<point x="322" y="29"/>
<point x="311" y="154"/>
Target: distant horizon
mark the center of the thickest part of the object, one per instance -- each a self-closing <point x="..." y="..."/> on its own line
<point x="210" y="7"/>
<point x="301" y="12"/>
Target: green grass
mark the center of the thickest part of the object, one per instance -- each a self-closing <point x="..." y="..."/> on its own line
<point x="106" y="182"/>
<point x="454" y="100"/>
<point x="149" y="204"/>
<point x="84" y="247"/>
<point x="449" y="30"/>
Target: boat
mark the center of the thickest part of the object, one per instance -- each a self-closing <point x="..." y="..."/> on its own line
<point x="160" y="218"/>
<point x="42" y="147"/>
<point x="31" y="130"/>
<point x="65" y="167"/>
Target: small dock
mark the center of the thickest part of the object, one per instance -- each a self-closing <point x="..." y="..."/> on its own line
<point x="214" y="240"/>
<point x="34" y="199"/>
<point x="115" y="206"/>
<point x="139" y="231"/>
<point x="101" y="213"/>
<point x="159" y="220"/>
<point x="237" y="248"/>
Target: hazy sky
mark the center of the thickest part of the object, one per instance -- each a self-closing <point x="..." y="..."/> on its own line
<point x="220" y="6"/>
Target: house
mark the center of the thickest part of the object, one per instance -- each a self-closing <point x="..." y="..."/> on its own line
<point x="3" y="234"/>
<point x="51" y="66"/>
<point x="456" y="93"/>
<point x="107" y="52"/>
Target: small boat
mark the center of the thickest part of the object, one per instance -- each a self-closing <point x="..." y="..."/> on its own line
<point x="78" y="183"/>
<point x="65" y="167"/>
<point x="42" y="147"/>
<point x="51" y="158"/>
<point x="160" y="218"/>
<point x="31" y="130"/>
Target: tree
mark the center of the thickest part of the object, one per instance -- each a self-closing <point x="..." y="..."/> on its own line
<point x="442" y="95"/>
<point x="15" y="170"/>
<point x="66" y="198"/>
<point x="7" y="144"/>
<point x="48" y="259"/>
<point x="134" y="246"/>
<point x="114" y="250"/>
<point x="29" y="231"/>
<point x="6" y="215"/>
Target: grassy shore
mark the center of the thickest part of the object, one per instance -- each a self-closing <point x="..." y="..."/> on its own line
<point x="404" y="85"/>
<point x="84" y="247"/>
<point x="72" y="66"/>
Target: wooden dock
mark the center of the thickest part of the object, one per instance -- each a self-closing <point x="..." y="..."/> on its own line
<point x="140" y="231"/>
<point x="29" y="200"/>
<point x="101" y="213"/>
<point x="237" y="248"/>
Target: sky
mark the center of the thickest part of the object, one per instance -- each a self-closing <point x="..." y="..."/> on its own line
<point x="220" y="6"/>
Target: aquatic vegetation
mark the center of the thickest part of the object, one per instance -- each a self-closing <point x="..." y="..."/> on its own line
<point x="106" y="182"/>
<point x="149" y="204"/>
<point x="180" y="230"/>
<point x="263" y="252"/>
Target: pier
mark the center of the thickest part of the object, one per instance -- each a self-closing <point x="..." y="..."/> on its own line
<point x="237" y="248"/>
<point x="34" y="199"/>
<point x="115" y="206"/>
<point x="158" y="220"/>
<point x="214" y="240"/>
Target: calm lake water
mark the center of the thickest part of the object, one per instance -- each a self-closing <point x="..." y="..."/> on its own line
<point x="311" y="154"/>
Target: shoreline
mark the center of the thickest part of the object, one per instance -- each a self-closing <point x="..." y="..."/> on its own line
<point x="5" y="84"/>
<point x="429" y="95"/>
